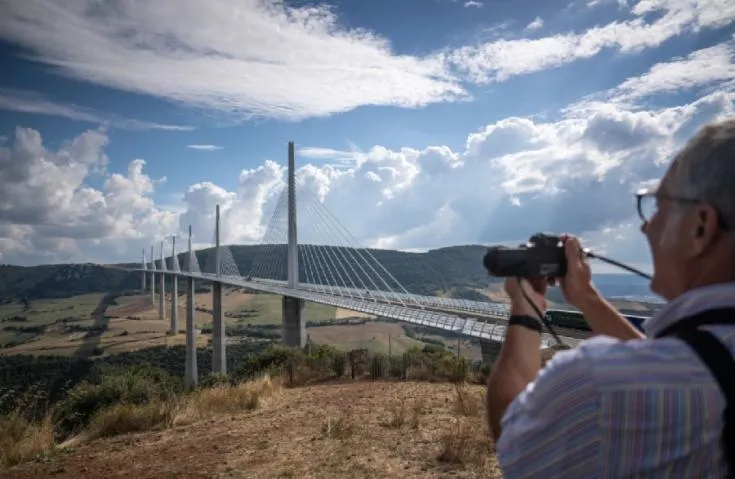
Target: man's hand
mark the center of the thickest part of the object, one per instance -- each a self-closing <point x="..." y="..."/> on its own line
<point x="577" y="284"/>
<point x="535" y="290"/>
<point x="519" y="360"/>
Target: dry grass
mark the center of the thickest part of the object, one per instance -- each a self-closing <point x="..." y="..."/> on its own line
<point x="466" y="440"/>
<point x="359" y="429"/>
<point x="202" y="404"/>
<point x="404" y="412"/>
<point x="466" y="443"/>
<point x="211" y="402"/>
<point x="127" y="418"/>
<point x="469" y="401"/>
<point x="21" y="440"/>
<point x="341" y="426"/>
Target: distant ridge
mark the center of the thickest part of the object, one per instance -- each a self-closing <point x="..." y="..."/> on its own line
<point x="456" y="270"/>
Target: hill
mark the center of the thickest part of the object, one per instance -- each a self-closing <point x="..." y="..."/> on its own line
<point x="422" y="273"/>
<point x="453" y="271"/>
<point x="345" y="429"/>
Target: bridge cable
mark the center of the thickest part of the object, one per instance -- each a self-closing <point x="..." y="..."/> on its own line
<point x="335" y="255"/>
<point x="345" y="233"/>
<point x="337" y="249"/>
<point x="318" y="207"/>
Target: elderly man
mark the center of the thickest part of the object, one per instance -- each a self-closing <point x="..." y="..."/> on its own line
<point x="621" y="404"/>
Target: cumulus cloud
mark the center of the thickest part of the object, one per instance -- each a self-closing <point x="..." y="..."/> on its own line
<point x="24" y="101"/>
<point x="49" y="212"/>
<point x="575" y="172"/>
<point x="513" y="177"/>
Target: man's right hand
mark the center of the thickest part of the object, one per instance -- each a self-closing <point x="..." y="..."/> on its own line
<point x="577" y="284"/>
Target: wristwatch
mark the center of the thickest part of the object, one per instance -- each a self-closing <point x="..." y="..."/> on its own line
<point x="526" y="321"/>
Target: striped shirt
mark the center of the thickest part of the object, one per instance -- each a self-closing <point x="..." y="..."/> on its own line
<point x="611" y="408"/>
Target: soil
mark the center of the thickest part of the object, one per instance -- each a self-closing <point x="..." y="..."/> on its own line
<point x="334" y="430"/>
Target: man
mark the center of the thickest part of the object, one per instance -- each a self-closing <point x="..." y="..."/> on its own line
<point x="621" y="404"/>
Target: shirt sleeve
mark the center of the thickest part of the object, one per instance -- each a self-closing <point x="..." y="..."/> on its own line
<point x="552" y="429"/>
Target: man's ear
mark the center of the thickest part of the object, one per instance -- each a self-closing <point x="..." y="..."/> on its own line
<point x="705" y="229"/>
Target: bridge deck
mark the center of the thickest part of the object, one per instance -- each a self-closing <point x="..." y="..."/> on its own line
<point x="440" y="313"/>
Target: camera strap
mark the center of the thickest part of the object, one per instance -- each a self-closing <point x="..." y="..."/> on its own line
<point x="717" y="357"/>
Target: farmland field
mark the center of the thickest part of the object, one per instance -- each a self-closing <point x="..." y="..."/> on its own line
<point x="82" y="326"/>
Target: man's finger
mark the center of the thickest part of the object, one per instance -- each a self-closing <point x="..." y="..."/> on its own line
<point x="573" y="250"/>
<point x="540" y="285"/>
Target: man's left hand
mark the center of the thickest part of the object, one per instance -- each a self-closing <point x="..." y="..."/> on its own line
<point x="535" y="290"/>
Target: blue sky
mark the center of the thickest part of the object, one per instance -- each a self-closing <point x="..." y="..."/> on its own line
<point x="400" y="89"/>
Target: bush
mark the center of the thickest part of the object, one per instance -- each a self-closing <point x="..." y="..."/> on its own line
<point x="134" y="385"/>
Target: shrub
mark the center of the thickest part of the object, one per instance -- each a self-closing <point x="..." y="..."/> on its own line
<point x="134" y="385"/>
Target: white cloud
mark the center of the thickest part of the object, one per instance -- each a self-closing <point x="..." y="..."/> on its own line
<point x="535" y="24"/>
<point x="205" y="147"/>
<point x="574" y="173"/>
<point x="594" y="3"/>
<point x="49" y="213"/>
<point x="698" y="69"/>
<point x="265" y="58"/>
<point x="246" y="58"/>
<point x="32" y="102"/>
<point x="473" y="3"/>
<point x="502" y="59"/>
<point x="514" y="177"/>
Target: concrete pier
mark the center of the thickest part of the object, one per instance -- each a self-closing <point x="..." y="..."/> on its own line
<point x="143" y="288"/>
<point x="191" y="374"/>
<point x="294" y="320"/>
<point x="174" y="325"/>
<point x="294" y="325"/>
<point x="153" y="279"/>
<point x="162" y="288"/>
<point x="490" y="351"/>
<point x="219" y="352"/>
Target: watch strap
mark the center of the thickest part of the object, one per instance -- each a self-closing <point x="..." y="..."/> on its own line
<point x="526" y="321"/>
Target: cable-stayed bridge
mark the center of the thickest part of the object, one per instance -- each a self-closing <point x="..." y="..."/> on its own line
<point x="327" y="266"/>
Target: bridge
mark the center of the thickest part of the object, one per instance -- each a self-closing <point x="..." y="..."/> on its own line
<point x="323" y="270"/>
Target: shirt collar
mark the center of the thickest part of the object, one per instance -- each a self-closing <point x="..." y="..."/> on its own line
<point x="692" y="302"/>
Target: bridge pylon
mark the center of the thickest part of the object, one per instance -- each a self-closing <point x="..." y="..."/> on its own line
<point x="144" y="274"/>
<point x="489" y="350"/>
<point x="219" y="352"/>
<point x="162" y="287"/>
<point x="153" y="279"/>
<point x="294" y="320"/>
<point x="191" y="374"/>
<point x="174" y="325"/>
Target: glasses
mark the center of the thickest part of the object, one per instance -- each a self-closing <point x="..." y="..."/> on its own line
<point x="647" y="204"/>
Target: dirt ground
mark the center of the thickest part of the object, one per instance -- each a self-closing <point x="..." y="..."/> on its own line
<point x="336" y="430"/>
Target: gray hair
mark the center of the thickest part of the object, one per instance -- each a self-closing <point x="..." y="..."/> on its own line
<point x="705" y="169"/>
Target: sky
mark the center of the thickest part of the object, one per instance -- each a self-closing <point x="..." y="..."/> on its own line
<point x="417" y="123"/>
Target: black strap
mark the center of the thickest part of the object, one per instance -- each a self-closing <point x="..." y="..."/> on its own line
<point x="526" y="321"/>
<point x="716" y="356"/>
<point x="713" y="316"/>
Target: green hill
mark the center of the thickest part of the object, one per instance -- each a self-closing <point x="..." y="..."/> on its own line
<point x="454" y="268"/>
